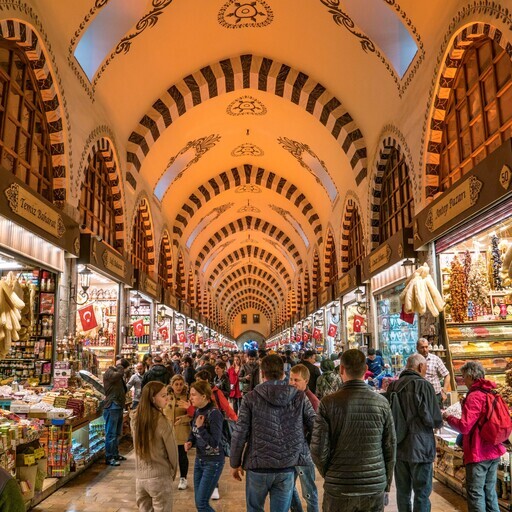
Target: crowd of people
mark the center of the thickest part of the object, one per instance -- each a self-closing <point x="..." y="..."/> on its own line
<point x="280" y="418"/>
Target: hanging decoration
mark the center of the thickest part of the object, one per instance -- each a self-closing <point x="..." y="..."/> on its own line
<point x="496" y="263"/>
<point x="458" y="291"/>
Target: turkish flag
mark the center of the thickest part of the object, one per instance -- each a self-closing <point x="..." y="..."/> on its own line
<point x="182" y="337"/>
<point x="200" y="338"/>
<point x="305" y="336"/>
<point x="192" y="337"/>
<point x="164" y="332"/>
<point x="406" y="317"/>
<point x="88" y="318"/>
<point x="138" y="327"/>
<point x="317" y="333"/>
<point x="333" y="330"/>
<point x="358" y="323"/>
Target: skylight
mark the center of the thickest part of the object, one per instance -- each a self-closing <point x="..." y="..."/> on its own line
<point x="383" y="26"/>
<point x="105" y="31"/>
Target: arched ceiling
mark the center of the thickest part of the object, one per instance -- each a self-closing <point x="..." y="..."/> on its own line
<point x="248" y="122"/>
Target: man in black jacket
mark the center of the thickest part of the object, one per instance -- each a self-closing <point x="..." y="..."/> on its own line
<point x="353" y="445"/>
<point x="308" y="361"/>
<point x="270" y="434"/>
<point x="416" y="414"/>
<point x="157" y="372"/>
<point x="249" y="376"/>
<point x="115" y="399"/>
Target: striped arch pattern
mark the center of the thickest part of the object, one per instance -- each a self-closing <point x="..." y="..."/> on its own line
<point x="330" y="257"/>
<point x="246" y="175"/>
<point x="291" y="303"/>
<point x="165" y="243"/>
<point x="255" y="294"/>
<point x="315" y="274"/>
<point x="248" y="282"/>
<point x="350" y="208"/>
<point x="253" y="271"/>
<point x="249" y="72"/>
<point x="25" y="37"/>
<point x="180" y="277"/>
<point x="462" y="41"/>
<point x="241" y="254"/>
<point x="104" y="147"/>
<point x="245" y="224"/>
<point x="191" y="296"/>
<point x="143" y="211"/>
<point x="300" y="297"/>
<point x="307" y="287"/>
<point x="249" y="303"/>
<point x="263" y="304"/>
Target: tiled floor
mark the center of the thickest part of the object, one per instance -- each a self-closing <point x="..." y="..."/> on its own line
<point x="107" y="489"/>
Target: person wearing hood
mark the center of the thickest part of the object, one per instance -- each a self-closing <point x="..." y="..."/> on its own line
<point x="481" y="458"/>
<point x="269" y="416"/>
<point x="157" y="372"/>
<point x="330" y="381"/>
<point x="416" y="446"/>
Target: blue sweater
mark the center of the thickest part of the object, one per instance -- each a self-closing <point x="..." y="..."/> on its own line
<point x="207" y="438"/>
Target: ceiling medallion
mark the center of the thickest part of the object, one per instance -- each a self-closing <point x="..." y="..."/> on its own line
<point x="246" y="106"/>
<point x="247" y="149"/>
<point x="248" y="208"/>
<point x="251" y="189"/>
<point x="255" y="14"/>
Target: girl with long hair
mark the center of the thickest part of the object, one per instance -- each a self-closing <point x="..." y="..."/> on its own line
<point x="206" y="436"/>
<point x="235" y="393"/>
<point x="178" y="416"/>
<point x="156" y="454"/>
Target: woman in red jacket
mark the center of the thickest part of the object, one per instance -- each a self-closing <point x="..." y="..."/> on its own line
<point x="480" y="457"/>
<point x="233" y="372"/>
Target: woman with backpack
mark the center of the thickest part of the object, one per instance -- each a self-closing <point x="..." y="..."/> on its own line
<point x="481" y="457"/>
<point x="206" y="436"/>
<point x="233" y="372"/>
<point x="330" y="380"/>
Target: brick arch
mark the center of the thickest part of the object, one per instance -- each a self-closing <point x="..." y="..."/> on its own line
<point x="104" y="146"/>
<point x="300" y="296"/>
<point x="249" y="270"/>
<point x="244" y="224"/>
<point x="26" y="38"/>
<point x="238" y="177"/>
<point x="315" y="275"/>
<point x="180" y="280"/>
<point x="191" y="296"/>
<point x="248" y="293"/>
<point x="143" y="209"/>
<point x="245" y="253"/>
<point x="165" y="244"/>
<point x="330" y="257"/>
<point x="385" y="148"/>
<point x="453" y="58"/>
<point x="249" y="72"/>
<point x="248" y="282"/>
<point x="307" y="286"/>
<point x="253" y="304"/>
<point x="351" y="205"/>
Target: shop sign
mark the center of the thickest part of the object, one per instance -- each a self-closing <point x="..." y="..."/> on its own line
<point x="505" y="177"/>
<point x="324" y="296"/>
<point x="344" y="283"/>
<point x="150" y="287"/>
<point x="171" y="300"/>
<point x="311" y="307"/>
<point x="114" y="263"/>
<point x="350" y="280"/>
<point x="380" y="258"/>
<point x="457" y="201"/>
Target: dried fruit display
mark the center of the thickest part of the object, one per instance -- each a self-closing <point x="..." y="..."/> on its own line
<point x="458" y="291"/>
<point x="478" y="283"/>
<point x="496" y="263"/>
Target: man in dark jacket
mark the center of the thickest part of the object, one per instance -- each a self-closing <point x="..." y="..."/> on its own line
<point x="157" y="372"/>
<point x="11" y="499"/>
<point x="273" y="420"/>
<point x="308" y="361"/>
<point x="418" y="415"/>
<point x="115" y="399"/>
<point x="249" y="376"/>
<point x="354" y="443"/>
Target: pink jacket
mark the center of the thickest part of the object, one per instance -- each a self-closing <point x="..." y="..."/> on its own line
<point x="474" y="447"/>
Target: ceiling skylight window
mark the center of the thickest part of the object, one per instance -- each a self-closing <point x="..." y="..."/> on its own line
<point x="384" y="27"/>
<point x="105" y="31"/>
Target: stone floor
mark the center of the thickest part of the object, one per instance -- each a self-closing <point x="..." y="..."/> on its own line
<point x="112" y="489"/>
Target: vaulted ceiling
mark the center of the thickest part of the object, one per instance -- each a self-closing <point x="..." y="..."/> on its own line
<point x="246" y="122"/>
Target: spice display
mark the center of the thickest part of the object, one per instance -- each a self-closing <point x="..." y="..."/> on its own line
<point x="495" y="262"/>
<point x="478" y="284"/>
<point x="458" y="291"/>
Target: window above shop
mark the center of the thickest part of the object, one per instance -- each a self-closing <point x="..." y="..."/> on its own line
<point x="105" y="31"/>
<point x="384" y="27"/>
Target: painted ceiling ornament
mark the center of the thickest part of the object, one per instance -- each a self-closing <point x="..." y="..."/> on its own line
<point x="273" y="243"/>
<point x="248" y="208"/>
<point x="255" y="14"/>
<point x="246" y="106"/>
<point x="251" y="189"/>
<point x="247" y="149"/>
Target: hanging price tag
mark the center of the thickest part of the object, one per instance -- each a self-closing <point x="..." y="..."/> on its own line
<point x="29" y="460"/>
<point x="39" y="453"/>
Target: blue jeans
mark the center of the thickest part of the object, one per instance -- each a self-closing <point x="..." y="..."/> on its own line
<point x="113" y="417"/>
<point x="206" y="478"/>
<point x="306" y="476"/>
<point x="365" y="503"/>
<point x="481" y="486"/>
<point x="278" y="485"/>
<point x="417" y="477"/>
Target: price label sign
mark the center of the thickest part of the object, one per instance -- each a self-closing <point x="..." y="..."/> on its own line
<point x="29" y="460"/>
<point x="39" y="453"/>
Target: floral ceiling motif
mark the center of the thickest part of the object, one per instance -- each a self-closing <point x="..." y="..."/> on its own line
<point x="255" y="14"/>
<point x="246" y="106"/>
<point x="247" y="149"/>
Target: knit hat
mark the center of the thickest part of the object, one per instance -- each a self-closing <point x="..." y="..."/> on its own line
<point x="327" y="365"/>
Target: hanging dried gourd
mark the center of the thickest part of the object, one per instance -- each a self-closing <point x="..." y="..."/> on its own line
<point x="458" y="291"/>
<point x="496" y="263"/>
<point x="478" y="283"/>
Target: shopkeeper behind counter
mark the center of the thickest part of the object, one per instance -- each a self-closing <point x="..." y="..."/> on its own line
<point x="436" y="370"/>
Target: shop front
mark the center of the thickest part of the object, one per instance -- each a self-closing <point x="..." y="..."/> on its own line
<point x="323" y="341"/>
<point x="383" y="274"/>
<point x="165" y="321"/>
<point x="35" y="237"/>
<point x="98" y="320"/>
<point x="143" y="300"/>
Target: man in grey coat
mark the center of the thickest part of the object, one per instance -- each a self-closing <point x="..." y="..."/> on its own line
<point x="353" y="445"/>
<point x="416" y="414"/>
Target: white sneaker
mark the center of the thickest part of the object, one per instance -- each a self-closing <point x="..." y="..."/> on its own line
<point x="215" y="494"/>
<point x="183" y="484"/>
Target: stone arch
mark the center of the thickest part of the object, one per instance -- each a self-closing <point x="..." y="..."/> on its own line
<point x="316" y="274"/>
<point x="464" y="38"/>
<point x="330" y="257"/>
<point x="180" y="277"/>
<point x="351" y="205"/>
<point x="165" y="244"/>
<point x="248" y="283"/>
<point x="249" y="72"/>
<point x="142" y="207"/>
<point x="250" y="270"/>
<point x="240" y="178"/>
<point x="26" y="38"/>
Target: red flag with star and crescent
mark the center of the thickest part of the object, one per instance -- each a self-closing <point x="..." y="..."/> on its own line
<point x="88" y="318"/>
<point x="358" y="323"/>
<point x="138" y="327"/>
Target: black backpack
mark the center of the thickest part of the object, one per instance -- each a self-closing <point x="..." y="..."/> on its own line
<point x="399" y="418"/>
